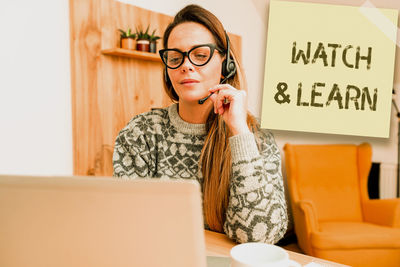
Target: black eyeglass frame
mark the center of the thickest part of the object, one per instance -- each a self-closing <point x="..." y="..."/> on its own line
<point x="186" y="54"/>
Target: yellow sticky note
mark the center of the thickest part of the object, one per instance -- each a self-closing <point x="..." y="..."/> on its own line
<point x="329" y="69"/>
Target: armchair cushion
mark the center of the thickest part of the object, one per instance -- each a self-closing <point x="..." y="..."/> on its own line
<point x="350" y="235"/>
<point x="382" y="211"/>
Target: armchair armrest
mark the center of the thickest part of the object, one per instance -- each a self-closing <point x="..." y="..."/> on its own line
<point x="382" y="211"/>
<point x="306" y="222"/>
<point x="309" y="211"/>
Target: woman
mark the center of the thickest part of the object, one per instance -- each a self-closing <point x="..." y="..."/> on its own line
<point x="218" y="143"/>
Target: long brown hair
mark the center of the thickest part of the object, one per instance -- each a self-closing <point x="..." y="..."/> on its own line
<point x="215" y="158"/>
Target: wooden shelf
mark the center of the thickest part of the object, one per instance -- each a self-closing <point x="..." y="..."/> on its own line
<point x="119" y="52"/>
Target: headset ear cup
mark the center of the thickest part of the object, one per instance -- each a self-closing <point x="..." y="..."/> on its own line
<point x="224" y="70"/>
<point x="228" y="69"/>
<point x="232" y="67"/>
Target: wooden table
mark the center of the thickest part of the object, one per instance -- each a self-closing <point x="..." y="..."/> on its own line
<point x="218" y="244"/>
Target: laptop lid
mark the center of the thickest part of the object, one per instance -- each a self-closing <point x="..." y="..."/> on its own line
<point x="78" y="221"/>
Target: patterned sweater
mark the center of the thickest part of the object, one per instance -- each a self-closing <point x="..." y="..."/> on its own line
<point x="160" y="144"/>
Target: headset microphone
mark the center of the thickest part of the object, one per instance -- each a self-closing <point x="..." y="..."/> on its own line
<point x="228" y="68"/>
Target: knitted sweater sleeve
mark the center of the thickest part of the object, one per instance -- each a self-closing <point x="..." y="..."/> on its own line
<point x="257" y="208"/>
<point x="133" y="151"/>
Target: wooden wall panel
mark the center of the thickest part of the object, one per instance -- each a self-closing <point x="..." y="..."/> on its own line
<point x="107" y="91"/>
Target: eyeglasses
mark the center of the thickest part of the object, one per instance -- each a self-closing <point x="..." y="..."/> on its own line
<point x="199" y="55"/>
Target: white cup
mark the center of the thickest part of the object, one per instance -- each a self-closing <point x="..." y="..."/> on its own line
<point x="260" y="255"/>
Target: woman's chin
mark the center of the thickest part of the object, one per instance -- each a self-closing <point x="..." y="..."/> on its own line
<point x="193" y="98"/>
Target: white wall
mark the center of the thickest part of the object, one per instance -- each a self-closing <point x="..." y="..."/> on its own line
<point x="35" y="94"/>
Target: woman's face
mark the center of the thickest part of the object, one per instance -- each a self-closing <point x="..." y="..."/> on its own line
<point x="192" y="82"/>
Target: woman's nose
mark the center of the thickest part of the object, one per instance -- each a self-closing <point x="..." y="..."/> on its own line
<point x="187" y="65"/>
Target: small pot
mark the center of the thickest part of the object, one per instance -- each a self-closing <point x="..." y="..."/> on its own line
<point x="153" y="47"/>
<point x="128" y="43"/>
<point x="143" y="45"/>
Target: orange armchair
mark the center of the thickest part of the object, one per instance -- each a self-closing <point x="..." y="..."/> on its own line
<point x="334" y="218"/>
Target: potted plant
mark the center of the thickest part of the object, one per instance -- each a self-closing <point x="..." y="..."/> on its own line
<point x="153" y="42"/>
<point x="142" y="40"/>
<point x="127" y="40"/>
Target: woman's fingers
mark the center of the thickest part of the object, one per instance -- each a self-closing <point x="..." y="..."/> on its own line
<point x="218" y="99"/>
<point x="218" y="87"/>
<point x="225" y="99"/>
<point x="215" y="91"/>
<point x="224" y="96"/>
<point x="234" y="113"/>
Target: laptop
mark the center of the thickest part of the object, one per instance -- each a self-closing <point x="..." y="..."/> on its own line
<point x="95" y="222"/>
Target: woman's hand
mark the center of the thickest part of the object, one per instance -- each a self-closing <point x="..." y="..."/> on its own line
<point x="234" y="113"/>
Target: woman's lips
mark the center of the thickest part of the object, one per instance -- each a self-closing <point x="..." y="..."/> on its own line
<point x="189" y="81"/>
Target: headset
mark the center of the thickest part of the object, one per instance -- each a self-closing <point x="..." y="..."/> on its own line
<point x="228" y="65"/>
<point x="227" y="71"/>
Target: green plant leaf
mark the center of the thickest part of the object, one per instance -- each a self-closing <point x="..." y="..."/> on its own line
<point x="123" y="34"/>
